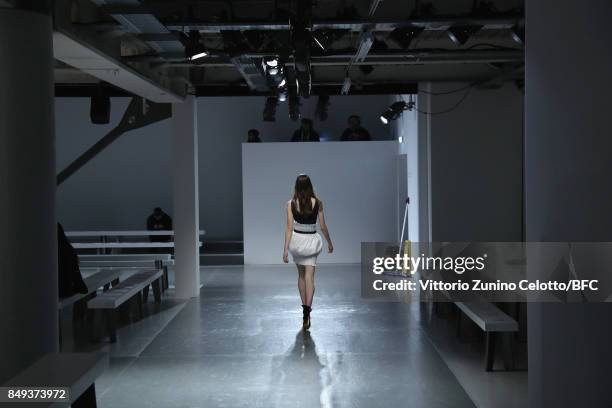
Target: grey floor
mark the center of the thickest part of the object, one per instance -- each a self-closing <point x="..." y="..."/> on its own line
<point x="240" y="345"/>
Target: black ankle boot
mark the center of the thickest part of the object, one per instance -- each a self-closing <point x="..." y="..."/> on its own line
<point x="306" y="312"/>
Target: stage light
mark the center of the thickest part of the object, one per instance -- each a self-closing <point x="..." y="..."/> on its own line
<point x="272" y="62"/>
<point x="403" y="36"/>
<point x="269" y="113"/>
<point x="323" y="39"/>
<point x="395" y="110"/>
<point x="198" y="55"/>
<point x="282" y="83"/>
<point x="518" y="34"/>
<point x="459" y="34"/>
<point x="193" y="48"/>
<point x="346" y="86"/>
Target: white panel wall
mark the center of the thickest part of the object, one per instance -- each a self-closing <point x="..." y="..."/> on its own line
<point x="120" y="187"/>
<point x="405" y="129"/>
<point x="357" y="182"/>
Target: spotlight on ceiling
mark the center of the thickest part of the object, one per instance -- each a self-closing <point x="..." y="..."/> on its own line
<point x="403" y="36"/>
<point x="395" y="111"/>
<point x="459" y="34"/>
<point x="346" y="86"/>
<point x="322" y="106"/>
<point x="269" y="113"/>
<point x="198" y="55"/>
<point x="518" y="34"/>
<point x="272" y="62"/>
<point x="323" y="39"/>
<point x="193" y="48"/>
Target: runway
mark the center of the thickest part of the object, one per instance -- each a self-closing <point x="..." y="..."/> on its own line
<point x="240" y="345"/>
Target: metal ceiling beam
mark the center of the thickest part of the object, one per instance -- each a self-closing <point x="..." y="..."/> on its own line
<point x="139" y="113"/>
<point x="400" y="57"/>
<point x="433" y="23"/>
<point x="317" y="89"/>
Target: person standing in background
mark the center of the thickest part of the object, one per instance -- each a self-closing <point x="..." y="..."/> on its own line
<point x="305" y="133"/>
<point x="253" y="136"/>
<point x="355" y="132"/>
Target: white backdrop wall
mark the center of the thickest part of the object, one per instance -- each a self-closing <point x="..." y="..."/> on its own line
<point x="119" y="188"/>
<point x="357" y="182"/>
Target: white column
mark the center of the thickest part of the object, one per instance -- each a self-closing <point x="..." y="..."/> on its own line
<point x="28" y="238"/>
<point x="185" y="194"/>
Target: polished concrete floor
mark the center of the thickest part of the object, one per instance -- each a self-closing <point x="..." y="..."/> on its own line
<point x="240" y="344"/>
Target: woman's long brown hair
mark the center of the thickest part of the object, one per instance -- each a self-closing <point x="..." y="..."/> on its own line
<point x="303" y="194"/>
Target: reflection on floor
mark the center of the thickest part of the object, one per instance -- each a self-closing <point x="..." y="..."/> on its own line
<point x="240" y="345"/>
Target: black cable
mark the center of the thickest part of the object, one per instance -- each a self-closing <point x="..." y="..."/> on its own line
<point x="471" y="85"/>
<point x="465" y="95"/>
<point x="495" y="46"/>
<point x="446" y="92"/>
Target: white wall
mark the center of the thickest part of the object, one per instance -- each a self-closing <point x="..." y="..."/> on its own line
<point x="568" y="190"/>
<point x="406" y="128"/>
<point x="119" y="188"/>
<point x="356" y="181"/>
<point x="475" y="163"/>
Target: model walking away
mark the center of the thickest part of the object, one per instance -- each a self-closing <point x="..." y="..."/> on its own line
<point x="303" y="241"/>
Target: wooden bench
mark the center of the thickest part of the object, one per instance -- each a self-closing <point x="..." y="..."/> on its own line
<point x="98" y="280"/>
<point x="101" y="279"/>
<point x="492" y="321"/>
<point x="77" y="371"/>
<point x="137" y="286"/>
<point x="146" y="261"/>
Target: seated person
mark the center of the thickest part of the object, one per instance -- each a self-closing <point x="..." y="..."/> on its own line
<point x="253" y="136"/>
<point x="305" y="133"/>
<point x="69" y="277"/>
<point x="355" y="132"/>
<point x="159" y="221"/>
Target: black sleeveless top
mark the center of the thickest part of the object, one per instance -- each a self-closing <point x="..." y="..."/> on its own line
<point x="305" y="218"/>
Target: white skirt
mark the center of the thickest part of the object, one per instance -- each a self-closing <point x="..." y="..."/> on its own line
<point x="305" y="248"/>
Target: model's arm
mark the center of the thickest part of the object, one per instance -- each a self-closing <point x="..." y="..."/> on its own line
<point x="288" y="231"/>
<point x="324" y="230"/>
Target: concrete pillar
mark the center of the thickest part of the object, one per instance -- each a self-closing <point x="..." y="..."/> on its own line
<point x="185" y="194"/>
<point x="28" y="239"/>
<point x="568" y="193"/>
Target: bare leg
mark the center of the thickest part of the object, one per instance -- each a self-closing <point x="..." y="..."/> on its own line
<point x="309" y="272"/>
<point x="301" y="283"/>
